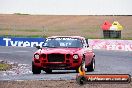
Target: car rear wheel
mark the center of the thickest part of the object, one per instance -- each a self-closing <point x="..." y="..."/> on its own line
<point x="91" y="67"/>
<point x="48" y="71"/>
<point x="35" y="69"/>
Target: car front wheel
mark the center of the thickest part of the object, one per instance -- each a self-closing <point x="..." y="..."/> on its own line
<point x="91" y="67"/>
<point x="35" y="70"/>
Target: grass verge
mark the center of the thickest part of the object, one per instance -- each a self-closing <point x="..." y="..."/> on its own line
<point x="4" y="66"/>
<point x="29" y="36"/>
<point x="45" y="36"/>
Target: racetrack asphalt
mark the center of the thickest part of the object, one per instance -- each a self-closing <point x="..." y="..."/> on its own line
<point x="107" y="62"/>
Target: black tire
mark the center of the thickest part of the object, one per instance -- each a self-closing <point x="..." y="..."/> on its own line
<point x="35" y="70"/>
<point x="48" y="71"/>
<point x="91" y="67"/>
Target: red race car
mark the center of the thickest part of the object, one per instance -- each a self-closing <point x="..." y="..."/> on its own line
<point x="63" y="52"/>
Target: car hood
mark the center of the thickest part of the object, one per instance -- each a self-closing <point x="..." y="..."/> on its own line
<point x="59" y="50"/>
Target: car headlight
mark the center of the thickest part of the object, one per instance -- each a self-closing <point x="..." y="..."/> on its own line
<point x="75" y="56"/>
<point x="36" y="56"/>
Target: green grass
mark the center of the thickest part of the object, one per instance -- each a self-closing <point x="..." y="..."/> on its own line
<point x="21" y="14"/>
<point x="56" y="29"/>
<point x="92" y="29"/>
<point x="35" y="33"/>
<point x="44" y="36"/>
<point x="4" y="67"/>
<point x="4" y="29"/>
<point x="33" y="36"/>
<point x="30" y="30"/>
<point x="21" y="30"/>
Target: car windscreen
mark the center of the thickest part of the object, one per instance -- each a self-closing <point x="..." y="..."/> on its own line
<point x="63" y="43"/>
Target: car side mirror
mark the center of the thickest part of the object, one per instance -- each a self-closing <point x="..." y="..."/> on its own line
<point x="87" y="42"/>
<point x="87" y="45"/>
<point x="38" y="47"/>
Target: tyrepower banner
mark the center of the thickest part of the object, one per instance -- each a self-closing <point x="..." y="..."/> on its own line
<point x="21" y="42"/>
<point x="122" y="45"/>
